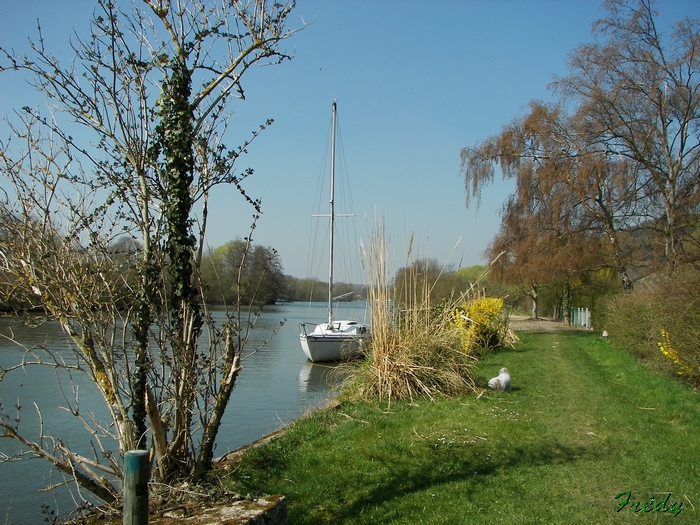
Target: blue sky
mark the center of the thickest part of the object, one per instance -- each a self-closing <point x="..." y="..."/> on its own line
<point x="415" y="82"/>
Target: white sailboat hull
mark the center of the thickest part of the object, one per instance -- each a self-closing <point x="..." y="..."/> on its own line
<point x="339" y="341"/>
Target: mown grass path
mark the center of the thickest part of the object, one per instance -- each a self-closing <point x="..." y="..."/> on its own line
<point x="583" y="423"/>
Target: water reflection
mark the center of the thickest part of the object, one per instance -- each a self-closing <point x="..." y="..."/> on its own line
<point x="319" y="378"/>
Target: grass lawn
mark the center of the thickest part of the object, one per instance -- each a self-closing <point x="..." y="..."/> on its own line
<point x="583" y="423"/>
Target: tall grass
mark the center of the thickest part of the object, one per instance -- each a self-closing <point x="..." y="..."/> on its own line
<point x="415" y="349"/>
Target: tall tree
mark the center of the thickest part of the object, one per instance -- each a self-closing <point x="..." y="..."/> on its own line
<point x="149" y="89"/>
<point x="626" y="159"/>
<point x="640" y="95"/>
<point x="565" y="184"/>
<point x="422" y="282"/>
<point x="532" y="251"/>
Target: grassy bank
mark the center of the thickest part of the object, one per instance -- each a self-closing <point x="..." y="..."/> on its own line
<point x="582" y="424"/>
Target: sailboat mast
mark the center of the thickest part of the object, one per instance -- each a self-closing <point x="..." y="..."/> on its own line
<point x="332" y="217"/>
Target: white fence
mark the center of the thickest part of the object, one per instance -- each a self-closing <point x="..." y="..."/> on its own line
<point x="580" y="317"/>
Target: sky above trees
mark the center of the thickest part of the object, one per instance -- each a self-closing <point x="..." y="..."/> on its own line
<point x="415" y="82"/>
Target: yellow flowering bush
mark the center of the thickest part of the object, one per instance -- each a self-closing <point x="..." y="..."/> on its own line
<point x="482" y="323"/>
<point x="668" y="350"/>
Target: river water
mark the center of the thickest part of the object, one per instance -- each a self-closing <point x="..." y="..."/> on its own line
<point x="276" y="386"/>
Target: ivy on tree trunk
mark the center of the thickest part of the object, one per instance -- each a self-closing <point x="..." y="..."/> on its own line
<point x="176" y="140"/>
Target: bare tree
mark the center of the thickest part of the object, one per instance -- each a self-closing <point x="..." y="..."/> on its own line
<point x="565" y="185"/>
<point x="133" y="144"/>
<point x="626" y="159"/>
<point x="534" y="250"/>
<point x="640" y="95"/>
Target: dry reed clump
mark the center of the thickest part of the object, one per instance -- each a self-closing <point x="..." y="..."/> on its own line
<point x="415" y="350"/>
<point x="407" y="359"/>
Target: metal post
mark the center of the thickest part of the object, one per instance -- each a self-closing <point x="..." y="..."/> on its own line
<point x="136" y="476"/>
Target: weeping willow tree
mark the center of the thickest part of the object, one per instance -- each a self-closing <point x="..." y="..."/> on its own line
<point x="132" y="149"/>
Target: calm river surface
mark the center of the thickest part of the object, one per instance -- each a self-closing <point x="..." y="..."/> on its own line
<point x="276" y="386"/>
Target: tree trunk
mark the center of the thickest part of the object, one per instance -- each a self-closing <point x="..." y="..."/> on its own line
<point x="620" y="266"/>
<point x="206" y="449"/>
<point x="670" y="234"/>
<point x="142" y="320"/>
<point x="566" y="301"/>
<point x="142" y="323"/>
<point x="533" y="296"/>
<point x="176" y="134"/>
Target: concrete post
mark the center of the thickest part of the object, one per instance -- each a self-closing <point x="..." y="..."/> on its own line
<point x="136" y="476"/>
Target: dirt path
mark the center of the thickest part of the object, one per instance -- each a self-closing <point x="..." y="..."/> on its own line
<point x="523" y="323"/>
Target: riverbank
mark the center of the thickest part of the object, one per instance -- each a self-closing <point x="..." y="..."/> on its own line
<point x="583" y="424"/>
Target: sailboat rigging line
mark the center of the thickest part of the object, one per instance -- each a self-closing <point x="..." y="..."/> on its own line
<point x="314" y="226"/>
<point x="347" y="253"/>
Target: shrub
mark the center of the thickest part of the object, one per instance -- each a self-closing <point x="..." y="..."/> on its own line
<point x="658" y="311"/>
<point x="413" y="359"/>
<point x="684" y="369"/>
<point x="481" y="323"/>
<point x="421" y="348"/>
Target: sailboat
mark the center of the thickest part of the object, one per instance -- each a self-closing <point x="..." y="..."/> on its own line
<point x="334" y="340"/>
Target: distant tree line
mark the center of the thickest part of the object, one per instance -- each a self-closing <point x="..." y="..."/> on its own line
<point x="310" y="289"/>
<point x="241" y="272"/>
<point x="260" y="274"/>
<point x="253" y="274"/>
<point x="262" y="280"/>
<point x="426" y="281"/>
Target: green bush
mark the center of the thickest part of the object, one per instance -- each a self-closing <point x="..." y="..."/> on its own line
<point x="662" y="310"/>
